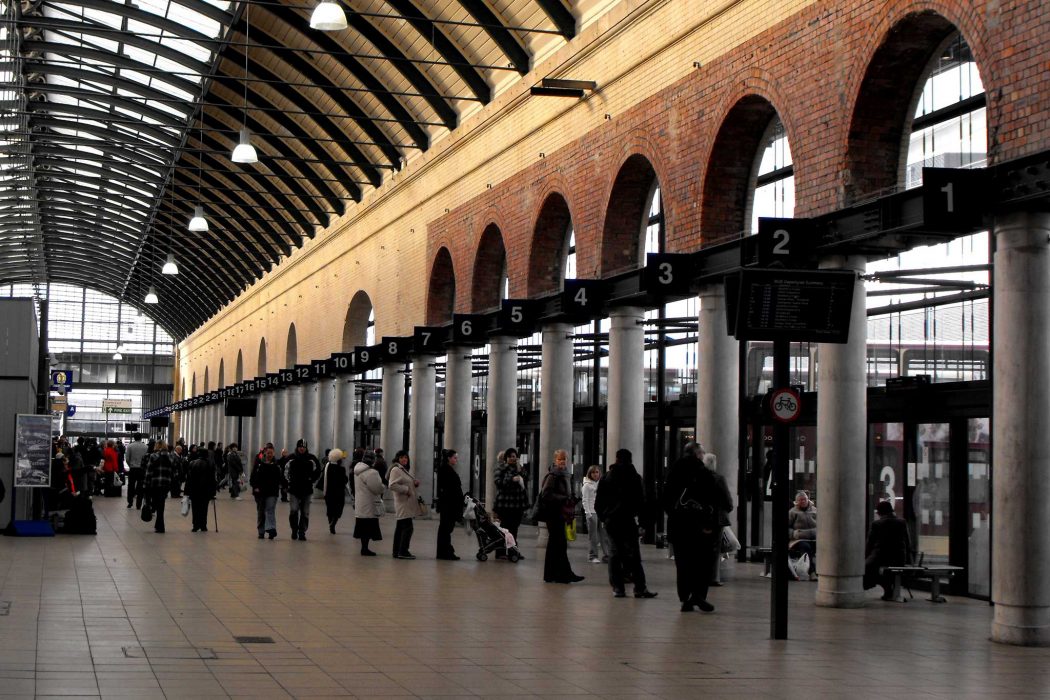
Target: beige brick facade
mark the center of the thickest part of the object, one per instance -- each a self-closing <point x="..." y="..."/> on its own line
<point x="673" y="78"/>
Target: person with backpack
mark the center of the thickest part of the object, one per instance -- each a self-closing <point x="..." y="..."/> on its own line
<point x="158" y="482"/>
<point x="618" y="503"/>
<point x="234" y="470"/>
<point x="697" y="501"/>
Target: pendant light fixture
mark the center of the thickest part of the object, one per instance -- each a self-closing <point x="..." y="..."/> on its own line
<point x="198" y="223"/>
<point x="151" y="293"/>
<point x="328" y="16"/>
<point x="151" y="296"/>
<point x="245" y="151"/>
<point x="117" y="356"/>
<point x="170" y="268"/>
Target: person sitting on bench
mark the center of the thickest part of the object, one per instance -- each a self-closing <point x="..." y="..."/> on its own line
<point x="802" y="532"/>
<point x="888" y="545"/>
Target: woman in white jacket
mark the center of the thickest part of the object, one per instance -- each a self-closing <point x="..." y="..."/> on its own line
<point x="368" y="502"/>
<point x="406" y="503"/>
<point x="595" y="529"/>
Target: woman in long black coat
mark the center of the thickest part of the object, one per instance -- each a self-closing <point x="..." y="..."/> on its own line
<point x="334" y="484"/>
<point x="555" y="496"/>
<point x="201" y="488"/>
<point x="450" y="503"/>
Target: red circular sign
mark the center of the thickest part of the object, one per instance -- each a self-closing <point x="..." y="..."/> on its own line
<point x="785" y="405"/>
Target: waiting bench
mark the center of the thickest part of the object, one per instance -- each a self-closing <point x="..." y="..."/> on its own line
<point x="930" y="572"/>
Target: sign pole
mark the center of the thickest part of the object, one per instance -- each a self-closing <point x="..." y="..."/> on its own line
<point x="781" y="498"/>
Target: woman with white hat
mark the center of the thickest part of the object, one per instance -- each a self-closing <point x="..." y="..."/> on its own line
<point x="333" y="485"/>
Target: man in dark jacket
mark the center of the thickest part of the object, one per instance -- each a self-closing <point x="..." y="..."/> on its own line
<point x="266" y="480"/>
<point x="618" y="503"/>
<point x="200" y="487"/>
<point x="696" y="501"/>
<point x="303" y="471"/>
<point x="889" y="544"/>
<point x="234" y="470"/>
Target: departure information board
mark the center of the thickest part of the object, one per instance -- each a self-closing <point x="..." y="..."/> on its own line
<point x="795" y="305"/>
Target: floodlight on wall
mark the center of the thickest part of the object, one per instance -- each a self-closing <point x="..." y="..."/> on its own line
<point x="198" y="223"/>
<point x="557" y="87"/>
<point x="328" y="16"/>
<point x="170" y="268"/>
<point x="151" y="296"/>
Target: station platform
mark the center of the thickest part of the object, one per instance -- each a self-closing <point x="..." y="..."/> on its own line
<point x="133" y="614"/>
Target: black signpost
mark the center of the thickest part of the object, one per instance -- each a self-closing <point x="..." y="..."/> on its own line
<point x="784" y="306"/>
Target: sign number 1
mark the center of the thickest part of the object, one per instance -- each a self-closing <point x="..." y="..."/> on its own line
<point x="949" y="192"/>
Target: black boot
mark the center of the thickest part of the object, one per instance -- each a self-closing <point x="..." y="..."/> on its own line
<point x="304" y="525"/>
<point x="293" y="523"/>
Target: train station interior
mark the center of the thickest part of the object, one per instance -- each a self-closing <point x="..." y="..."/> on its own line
<point x="812" y="237"/>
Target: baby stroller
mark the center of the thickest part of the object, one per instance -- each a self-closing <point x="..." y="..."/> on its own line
<point x="491" y="537"/>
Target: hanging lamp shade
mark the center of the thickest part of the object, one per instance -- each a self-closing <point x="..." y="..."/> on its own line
<point x="151" y="296"/>
<point x="198" y="222"/>
<point x="245" y="151"/>
<point x="170" y="268"/>
<point x="328" y="16"/>
<point x="117" y="356"/>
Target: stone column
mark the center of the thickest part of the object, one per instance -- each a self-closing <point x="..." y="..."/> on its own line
<point x="280" y="419"/>
<point x="325" y="409"/>
<point x="626" y="386"/>
<point x="458" y="408"/>
<point x="293" y="429"/>
<point x="1021" y="424"/>
<point x="421" y="424"/>
<point x="501" y="427"/>
<point x="343" y="416"/>
<point x="717" y="386"/>
<point x="392" y="408"/>
<point x="842" y="433"/>
<point x="555" y="394"/>
<point x="268" y="429"/>
<point x="311" y="420"/>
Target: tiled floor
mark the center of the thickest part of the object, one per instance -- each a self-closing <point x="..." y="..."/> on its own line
<point x="137" y="615"/>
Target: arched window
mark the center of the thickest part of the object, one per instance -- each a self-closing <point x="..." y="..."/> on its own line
<point x="945" y="334"/>
<point x="262" y="358"/>
<point x="291" y="352"/>
<point x="774" y="193"/>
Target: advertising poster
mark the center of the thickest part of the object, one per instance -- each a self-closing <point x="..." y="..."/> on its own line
<point x="32" y="450"/>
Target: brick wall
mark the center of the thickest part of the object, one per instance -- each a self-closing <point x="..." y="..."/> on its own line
<point x="685" y="90"/>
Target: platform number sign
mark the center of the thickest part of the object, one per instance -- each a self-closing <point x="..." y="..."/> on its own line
<point x="517" y="316"/>
<point x="668" y="273"/>
<point x="469" y="329"/>
<point x="287" y="377"/>
<point x="302" y="373"/>
<point x="582" y="299"/>
<point x="785" y="242"/>
<point x="429" y="339"/>
<point x="951" y="199"/>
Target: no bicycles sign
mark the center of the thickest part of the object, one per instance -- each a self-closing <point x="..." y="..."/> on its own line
<point x="785" y="405"/>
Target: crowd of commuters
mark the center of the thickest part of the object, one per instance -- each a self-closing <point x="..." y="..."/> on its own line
<point x="695" y="498"/>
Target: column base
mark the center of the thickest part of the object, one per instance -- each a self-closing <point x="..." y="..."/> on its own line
<point x="1021" y="625"/>
<point x="840" y="591"/>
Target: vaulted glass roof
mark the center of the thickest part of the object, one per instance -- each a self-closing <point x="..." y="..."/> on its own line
<point x="117" y="121"/>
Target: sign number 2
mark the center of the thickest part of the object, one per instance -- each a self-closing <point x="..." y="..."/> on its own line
<point x="781" y="240"/>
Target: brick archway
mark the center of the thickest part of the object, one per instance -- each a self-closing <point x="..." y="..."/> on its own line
<point x="262" y="367"/>
<point x="355" y="326"/>
<point x="727" y="181"/>
<point x="549" y="240"/>
<point x="441" y="292"/>
<point x="291" y="349"/>
<point x="885" y="104"/>
<point x="490" y="264"/>
<point x="626" y="216"/>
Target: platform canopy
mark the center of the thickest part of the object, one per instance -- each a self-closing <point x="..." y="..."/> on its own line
<point x="118" y="120"/>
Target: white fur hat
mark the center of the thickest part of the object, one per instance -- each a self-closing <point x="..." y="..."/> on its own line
<point x="335" y="454"/>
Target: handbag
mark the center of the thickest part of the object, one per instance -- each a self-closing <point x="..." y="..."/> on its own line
<point x="424" y="509"/>
<point x="185" y="510"/>
<point x="147" y="512"/>
<point x="570" y="531"/>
